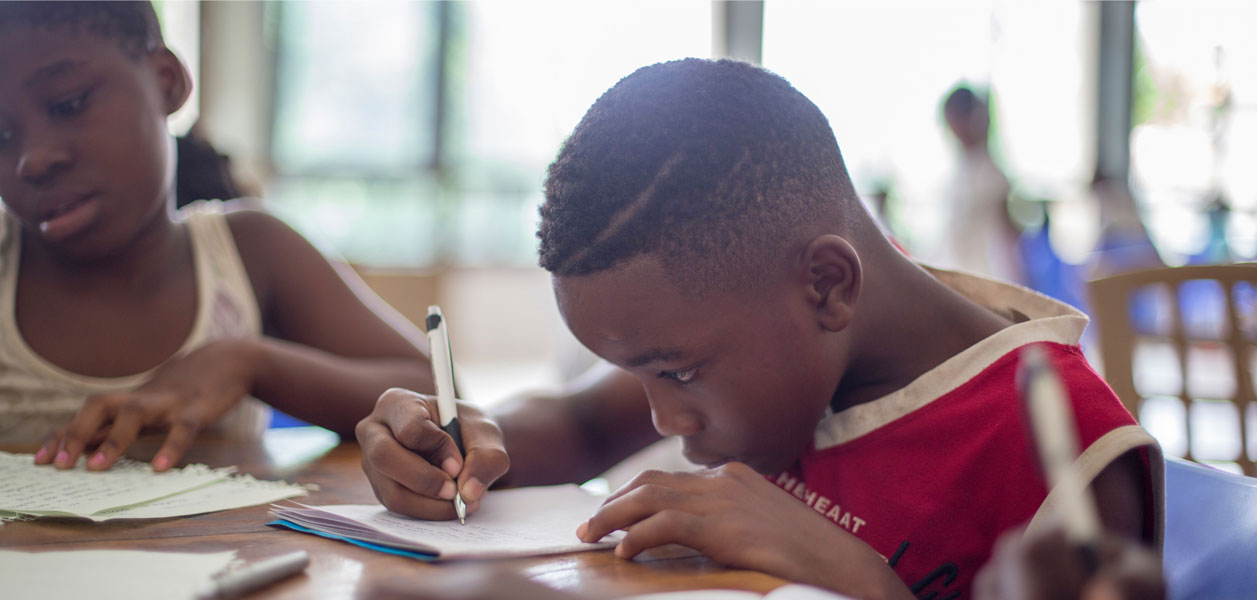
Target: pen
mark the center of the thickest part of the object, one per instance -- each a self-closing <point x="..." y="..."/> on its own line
<point x="254" y="576"/>
<point x="1056" y="438"/>
<point x="443" y="373"/>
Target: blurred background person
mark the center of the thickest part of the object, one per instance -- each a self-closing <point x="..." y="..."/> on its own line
<point x="981" y="236"/>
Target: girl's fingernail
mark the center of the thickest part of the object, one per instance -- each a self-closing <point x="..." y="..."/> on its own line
<point x="41" y="455"/>
<point x="580" y="531"/>
<point x="63" y="458"/>
<point x="161" y="463"/>
<point x="97" y="460"/>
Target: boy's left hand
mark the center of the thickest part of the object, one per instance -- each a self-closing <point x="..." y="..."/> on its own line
<point x="737" y="517"/>
<point x="184" y="395"/>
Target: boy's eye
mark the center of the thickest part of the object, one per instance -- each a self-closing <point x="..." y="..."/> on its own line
<point x="681" y="376"/>
<point x="70" y="106"/>
<point x="6" y="136"/>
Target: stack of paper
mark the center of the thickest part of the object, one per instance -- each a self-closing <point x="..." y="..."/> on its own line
<point x="128" y="490"/>
<point x="524" y="521"/>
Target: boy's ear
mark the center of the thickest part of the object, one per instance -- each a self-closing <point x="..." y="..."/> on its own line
<point x="173" y="79"/>
<point x="833" y="274"/>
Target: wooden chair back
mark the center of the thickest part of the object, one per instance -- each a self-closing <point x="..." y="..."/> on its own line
<point x="1126" y="316"/>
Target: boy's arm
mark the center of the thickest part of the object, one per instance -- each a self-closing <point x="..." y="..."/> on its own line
<point x="600" y="419"/>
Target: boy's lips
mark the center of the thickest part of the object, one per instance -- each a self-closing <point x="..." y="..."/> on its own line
<point x="67" y="216"/>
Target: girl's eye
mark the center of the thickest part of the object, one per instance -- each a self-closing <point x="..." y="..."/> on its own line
<point x="6" y="136"/>
<point x="682" y="376"/>
<point x="69" y="107"/>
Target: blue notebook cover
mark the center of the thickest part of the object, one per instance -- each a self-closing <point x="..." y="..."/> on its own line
<point x="367" y="545"/>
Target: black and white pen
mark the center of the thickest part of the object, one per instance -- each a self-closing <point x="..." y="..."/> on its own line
<point x="443" y="374"/>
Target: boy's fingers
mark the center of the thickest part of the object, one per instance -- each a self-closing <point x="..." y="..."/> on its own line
<point x="409" y="416"/>
<point x="689" y="482"/>
<point x="486" y="459"/>
<point x="631" y="508"/>
<point x="182" y="432"/>
<point x="664" y="527"/>
<point x="384" y="455"/>
<point x="126" y="427"/>
<point x="399" y="499"/>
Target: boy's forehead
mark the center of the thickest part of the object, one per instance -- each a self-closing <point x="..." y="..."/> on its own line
<point x="637" y="308"/>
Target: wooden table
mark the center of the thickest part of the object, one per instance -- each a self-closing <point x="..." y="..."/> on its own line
<point x="338" y="569"/>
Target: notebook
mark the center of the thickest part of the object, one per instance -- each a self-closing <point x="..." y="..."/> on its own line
<point x="518" y="522"/>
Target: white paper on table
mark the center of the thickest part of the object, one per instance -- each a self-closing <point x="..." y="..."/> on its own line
<point x="46" y="491"/>
<point x="792" y="591"/>
<point x="516" y="522"/>
<point x="236" y="491"/>
<point x="108" y="574"/>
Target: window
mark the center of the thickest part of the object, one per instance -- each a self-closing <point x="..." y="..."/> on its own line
<point x="1195" y="136"/>
<point x="880" y="72"/>
<point x="418" y="133"/>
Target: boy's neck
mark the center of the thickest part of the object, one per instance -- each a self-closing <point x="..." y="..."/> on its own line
<point x="898" y="341"/>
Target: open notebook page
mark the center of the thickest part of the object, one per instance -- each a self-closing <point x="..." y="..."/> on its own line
<point x="524" y="521"/>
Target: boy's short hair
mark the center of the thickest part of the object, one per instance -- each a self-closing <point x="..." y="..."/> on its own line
<point x="132" y="23"/>
<point x="712" y="167"/>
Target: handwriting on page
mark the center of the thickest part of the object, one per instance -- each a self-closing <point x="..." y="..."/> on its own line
<point x="35" y="489"/>
<point x="233" y="492"/>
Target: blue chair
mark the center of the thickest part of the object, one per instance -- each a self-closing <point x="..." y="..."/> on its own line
<point x="1210" y="533"/>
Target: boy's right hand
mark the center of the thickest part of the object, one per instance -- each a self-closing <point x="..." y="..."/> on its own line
<point x="414" y="467"/>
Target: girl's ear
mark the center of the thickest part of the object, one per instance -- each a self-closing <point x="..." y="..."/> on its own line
<point x="173" y="79"/>
<point x="832" y="271"/>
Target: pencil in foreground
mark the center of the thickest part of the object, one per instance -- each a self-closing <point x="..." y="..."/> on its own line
<point x="254" y="576"/>
<point x="443" y="375"/>
<point x="1056" y="439"/>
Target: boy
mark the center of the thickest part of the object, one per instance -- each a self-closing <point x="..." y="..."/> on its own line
<point x="116" y="313"/>
<point x="857" y="413"/>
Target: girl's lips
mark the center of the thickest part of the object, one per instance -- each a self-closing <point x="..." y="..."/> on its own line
<point x="69" y="218"/>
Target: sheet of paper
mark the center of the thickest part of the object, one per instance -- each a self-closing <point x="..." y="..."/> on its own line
<point x="524" y="521"/>
<point x="236" y="491"/>
<point x="786" y="592"/>
<point x="43" y="490"/>
<point x="108" y="574"/>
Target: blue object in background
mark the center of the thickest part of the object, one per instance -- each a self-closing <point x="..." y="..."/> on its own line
<point x="1047" y="274"/>
<point x="280" y="420"/>
<point x="1210" y="533"/>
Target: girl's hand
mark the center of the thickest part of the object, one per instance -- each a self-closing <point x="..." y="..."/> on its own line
<point x="184" y="395"/>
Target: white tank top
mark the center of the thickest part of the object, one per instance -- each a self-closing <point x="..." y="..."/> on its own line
<point x="37" y="396"/>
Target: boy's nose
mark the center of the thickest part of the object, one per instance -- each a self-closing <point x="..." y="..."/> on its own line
<point x="41" y="160"/>
<point x="670" y="418"/>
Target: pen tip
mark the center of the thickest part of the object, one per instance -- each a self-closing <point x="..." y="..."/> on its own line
<point x="462" y="520"/>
